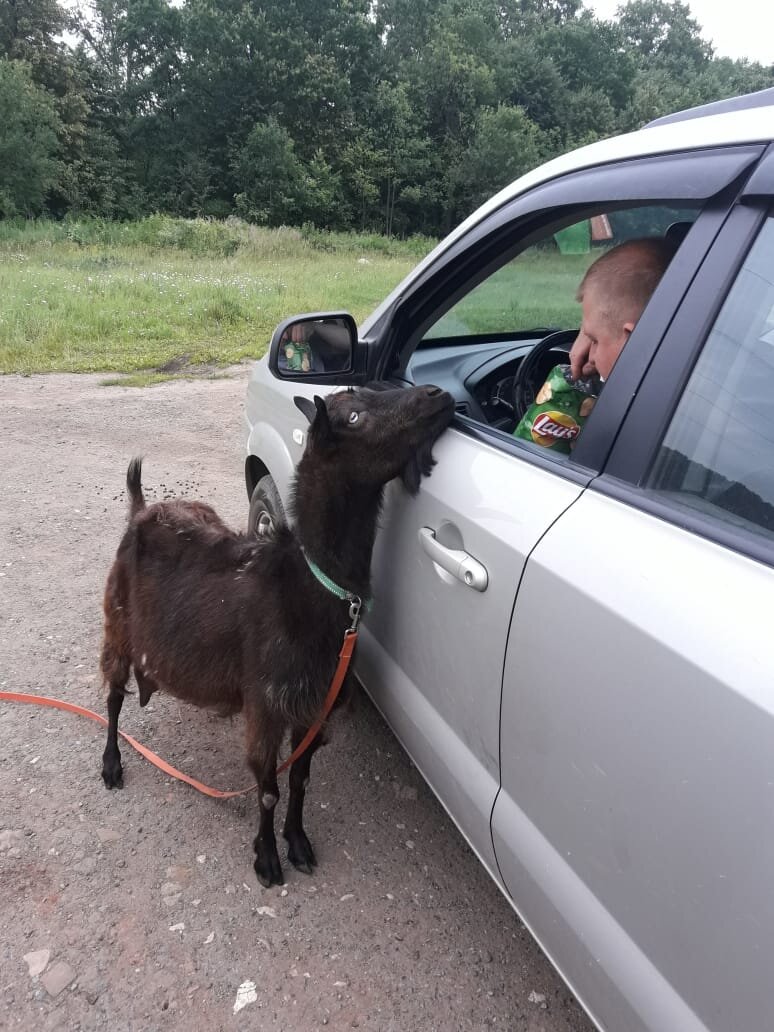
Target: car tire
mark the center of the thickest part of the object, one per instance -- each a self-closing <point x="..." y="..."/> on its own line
<point x="266" y="509"/>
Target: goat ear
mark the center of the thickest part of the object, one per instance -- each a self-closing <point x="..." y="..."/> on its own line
<point x="316" y="413"/>
<point x="306" y="406"/>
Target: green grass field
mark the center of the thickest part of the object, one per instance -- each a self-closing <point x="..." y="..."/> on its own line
<point x="93" y="296"/>
<point x="166" y="294"/>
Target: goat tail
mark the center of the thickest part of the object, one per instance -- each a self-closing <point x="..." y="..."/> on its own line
<point x="134" y="487"/>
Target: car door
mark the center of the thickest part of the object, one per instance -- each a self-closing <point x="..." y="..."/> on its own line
<point x="432" y="648"/>
<point x="634" y="825"/>
<point x="448" y="563"/>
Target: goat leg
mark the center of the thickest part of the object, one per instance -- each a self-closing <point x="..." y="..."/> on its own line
<point x="300" y="852"/>
<point x="112" y="771"/>
<point x="262" y="750"/>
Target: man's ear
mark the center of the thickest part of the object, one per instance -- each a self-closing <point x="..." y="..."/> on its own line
<point x="316" y="413"/>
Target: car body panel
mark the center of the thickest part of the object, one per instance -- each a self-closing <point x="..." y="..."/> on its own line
<point x="623" y="754"/>
<point x="271" y="421"/>
<point x="420" y="688"/>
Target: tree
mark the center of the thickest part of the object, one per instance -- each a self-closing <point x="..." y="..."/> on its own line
<point x="506" y="144"/>
<point x="304" y="64"/>
<point x="663" y="33"/>
<point x="400" y="152"/>
<point x="270" y="176"/>
<point x="130" y="57"/>
<point x="31" y="31"/>
<point x="589" y="54"/>
<point x="28" y="141"/>
<point x="393" y="115"/>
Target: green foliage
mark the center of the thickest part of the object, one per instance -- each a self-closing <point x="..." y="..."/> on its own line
<point x="30" y="31"/>
<point x="385" y="116"/>
<point x="367" y="243"/>
<point x="28" y="141"/>
<point x="664" y="31"/>
<point x="161" y="294"/>
<point x="270" y="176"/>
<point x="505" y="145"/>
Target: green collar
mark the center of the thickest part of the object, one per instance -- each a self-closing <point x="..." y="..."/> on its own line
<point x="332" y="586"/>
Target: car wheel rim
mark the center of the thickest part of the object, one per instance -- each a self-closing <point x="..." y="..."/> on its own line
<point x="264" y="524"/>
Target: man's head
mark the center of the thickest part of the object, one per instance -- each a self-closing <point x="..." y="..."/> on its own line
<point x="613" y="294"/>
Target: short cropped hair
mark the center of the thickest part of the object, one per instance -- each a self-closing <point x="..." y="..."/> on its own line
<point x="625" y="277"/>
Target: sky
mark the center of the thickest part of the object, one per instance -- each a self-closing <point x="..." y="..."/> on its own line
<point x="736" y="28"/>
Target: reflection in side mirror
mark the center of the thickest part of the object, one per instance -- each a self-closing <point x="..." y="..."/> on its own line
<point x="314" y="345"/>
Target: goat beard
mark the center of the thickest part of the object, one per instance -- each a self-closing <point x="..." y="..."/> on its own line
<point x="419" y="465"/>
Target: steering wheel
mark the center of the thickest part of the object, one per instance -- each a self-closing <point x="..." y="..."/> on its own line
<point x="524" y="387"/>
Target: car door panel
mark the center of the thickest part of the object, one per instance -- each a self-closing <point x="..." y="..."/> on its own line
<point x="624" y="703"/>
<point x="441" y="692"/>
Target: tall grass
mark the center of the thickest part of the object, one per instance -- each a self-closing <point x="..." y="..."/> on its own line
<point x="86" y="295"/>
<point x="91" y="295"/>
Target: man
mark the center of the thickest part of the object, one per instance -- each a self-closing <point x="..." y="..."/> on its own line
<point x="613" y="295"/>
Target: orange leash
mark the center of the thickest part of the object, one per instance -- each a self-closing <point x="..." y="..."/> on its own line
<point x="345" y="656"/>
<point x="347" y="648"/>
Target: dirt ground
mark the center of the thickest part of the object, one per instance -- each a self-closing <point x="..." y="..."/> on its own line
<point x="139" y="910"/>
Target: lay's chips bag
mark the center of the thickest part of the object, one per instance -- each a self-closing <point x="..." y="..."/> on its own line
<point x="560" y="409"/>
<point x="298" y="356"/>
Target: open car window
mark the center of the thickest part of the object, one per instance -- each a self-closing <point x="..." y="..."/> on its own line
<point x="494" y="347"/>
<point x="535" y="291"/>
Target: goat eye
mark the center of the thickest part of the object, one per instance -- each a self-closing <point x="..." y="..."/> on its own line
<point x="353" y="417"/>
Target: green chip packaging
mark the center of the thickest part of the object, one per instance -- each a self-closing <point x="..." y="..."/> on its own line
<point x="298" y="356"/>
<point x="559" y="411"/>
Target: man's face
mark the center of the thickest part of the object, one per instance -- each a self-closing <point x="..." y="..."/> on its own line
<point x="604" y="341"/>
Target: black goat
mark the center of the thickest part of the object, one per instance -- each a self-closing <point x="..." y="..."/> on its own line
<point x="235" y="622"/>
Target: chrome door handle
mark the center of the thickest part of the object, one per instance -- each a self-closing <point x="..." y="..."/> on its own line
<point x="456" y="562"/>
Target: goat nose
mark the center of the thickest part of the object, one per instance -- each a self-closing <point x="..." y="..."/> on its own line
<point x="431" y="391"/>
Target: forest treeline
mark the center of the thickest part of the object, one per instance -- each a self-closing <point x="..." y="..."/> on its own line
<point x="395" y="116"/>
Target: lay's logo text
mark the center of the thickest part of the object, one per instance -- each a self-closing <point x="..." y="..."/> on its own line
<point x="553" y="426"/>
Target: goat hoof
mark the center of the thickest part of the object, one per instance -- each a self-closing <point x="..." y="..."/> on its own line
<point x="268" y="869"/>
<point x="112" y="773"/>
<point x="113" y="779"/>
<point x="300" y="853"/>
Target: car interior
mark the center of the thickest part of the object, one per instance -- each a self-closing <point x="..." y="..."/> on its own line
<point x="495" y="376"/>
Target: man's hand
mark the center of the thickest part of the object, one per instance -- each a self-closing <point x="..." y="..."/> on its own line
<point x="580" y="364"/>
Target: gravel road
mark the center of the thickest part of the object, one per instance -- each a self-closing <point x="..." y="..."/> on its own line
<point x="139" y="910"/>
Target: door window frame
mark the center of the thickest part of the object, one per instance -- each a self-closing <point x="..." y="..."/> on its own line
<point x="652" y="409"/>
<point x="714" y="175"/>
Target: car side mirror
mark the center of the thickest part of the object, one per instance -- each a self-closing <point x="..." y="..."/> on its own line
<point x="314" y="347"/>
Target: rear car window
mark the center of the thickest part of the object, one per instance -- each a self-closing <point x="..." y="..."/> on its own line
<point x="718" y="454"/>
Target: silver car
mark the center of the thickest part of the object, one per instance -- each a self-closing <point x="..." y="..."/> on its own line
<point x="576" y="650"/>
